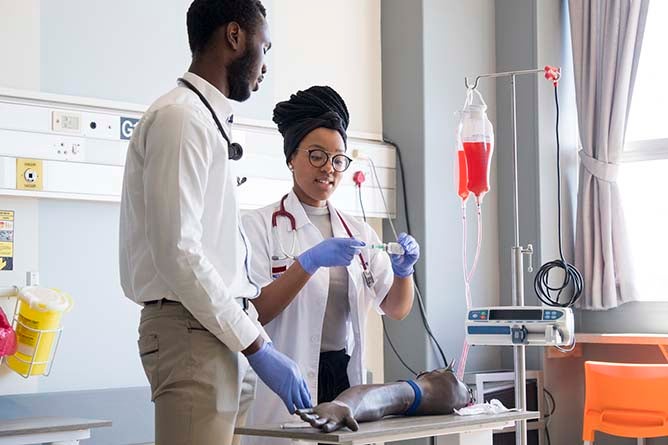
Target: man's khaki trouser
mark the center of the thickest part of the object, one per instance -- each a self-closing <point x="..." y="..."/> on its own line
<point x="201" y="390"/>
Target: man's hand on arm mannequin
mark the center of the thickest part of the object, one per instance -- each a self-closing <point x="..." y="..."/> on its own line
<point x="279" y="373"/>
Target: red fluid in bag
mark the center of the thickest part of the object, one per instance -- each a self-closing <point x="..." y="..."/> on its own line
<point x="462" y="187"/>
<point x="478" y="157"/>
<point x="8" y="343"/>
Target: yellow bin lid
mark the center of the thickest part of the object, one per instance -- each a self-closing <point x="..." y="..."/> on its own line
<point x="45" y="299"/>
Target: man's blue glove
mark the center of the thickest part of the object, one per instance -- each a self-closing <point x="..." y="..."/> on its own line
<point x="282" y="376"/>
<point x="402" y="265"/>
<point x="331" y="252"/>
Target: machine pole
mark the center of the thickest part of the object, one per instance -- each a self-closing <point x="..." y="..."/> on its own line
<point x="517" y="260"/>
<point x="519" y="352"/>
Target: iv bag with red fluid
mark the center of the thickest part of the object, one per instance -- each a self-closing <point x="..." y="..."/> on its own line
<point x="461" y="174"/>
<point x="477" y="136"/>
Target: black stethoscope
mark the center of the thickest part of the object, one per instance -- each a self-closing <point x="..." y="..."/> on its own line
<point x="234" y="150"/>
<point x="369" y="280"/>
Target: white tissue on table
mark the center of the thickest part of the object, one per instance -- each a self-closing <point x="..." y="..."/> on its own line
<point x="491" y="407"/>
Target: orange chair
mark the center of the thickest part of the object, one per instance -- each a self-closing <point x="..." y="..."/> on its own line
<point x="626" y="400"/>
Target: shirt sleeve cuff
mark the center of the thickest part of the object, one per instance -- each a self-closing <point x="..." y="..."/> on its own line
<point x="240" y="333"/>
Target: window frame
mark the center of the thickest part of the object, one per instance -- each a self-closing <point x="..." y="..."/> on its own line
<point x="645" y="150"/>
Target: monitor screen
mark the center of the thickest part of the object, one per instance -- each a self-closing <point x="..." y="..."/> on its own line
<point x="515" y="314"/>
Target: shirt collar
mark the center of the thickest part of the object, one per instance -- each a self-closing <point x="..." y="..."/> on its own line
<point x="315" y="211"/>
<point x="220" y="104"/>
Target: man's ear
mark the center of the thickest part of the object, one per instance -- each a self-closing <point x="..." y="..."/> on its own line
<point x="235" y="36"/>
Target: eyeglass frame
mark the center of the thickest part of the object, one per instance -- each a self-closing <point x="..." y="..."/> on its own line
<point x="330" y="158"/>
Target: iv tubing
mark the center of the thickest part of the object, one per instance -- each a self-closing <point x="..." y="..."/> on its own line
<point x="468" y="274"/>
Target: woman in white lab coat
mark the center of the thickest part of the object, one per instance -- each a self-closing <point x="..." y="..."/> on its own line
<point x="318" y="282"/>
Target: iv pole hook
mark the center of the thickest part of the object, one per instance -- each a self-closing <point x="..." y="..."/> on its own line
<point x="475" y="85"/>
<point x="551" y="73"/>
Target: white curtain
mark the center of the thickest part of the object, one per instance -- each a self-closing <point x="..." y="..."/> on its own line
<point x="607" y="37"/>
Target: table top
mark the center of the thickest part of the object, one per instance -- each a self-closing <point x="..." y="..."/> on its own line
<point x="622" y="338"/>
<point x="393" y="428"/>
<point x="36" y="425"/>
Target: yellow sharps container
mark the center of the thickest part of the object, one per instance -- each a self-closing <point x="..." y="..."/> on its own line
<point x="38" y="328"/>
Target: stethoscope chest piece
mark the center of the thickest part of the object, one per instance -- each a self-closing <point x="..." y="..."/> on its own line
<point x="234" y="150"/>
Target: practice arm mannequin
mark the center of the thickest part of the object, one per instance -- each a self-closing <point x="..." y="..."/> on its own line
<point x="441" y="392"/>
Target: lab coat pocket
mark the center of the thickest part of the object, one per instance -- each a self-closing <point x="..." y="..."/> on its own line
<point x="148" y="353"/>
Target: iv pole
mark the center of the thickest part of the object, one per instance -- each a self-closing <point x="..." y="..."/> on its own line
<point x="517" y="262"/>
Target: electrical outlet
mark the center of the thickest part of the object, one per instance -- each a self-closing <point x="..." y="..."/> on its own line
<point x="70" y="149"/>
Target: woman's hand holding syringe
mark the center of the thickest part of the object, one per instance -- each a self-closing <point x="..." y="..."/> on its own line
<point x="403" y="254"/>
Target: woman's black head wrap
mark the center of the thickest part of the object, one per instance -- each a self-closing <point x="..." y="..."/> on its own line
<point x="307" y="110"/>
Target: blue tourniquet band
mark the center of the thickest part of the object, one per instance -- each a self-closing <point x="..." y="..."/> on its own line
<point x="418" y="398"/>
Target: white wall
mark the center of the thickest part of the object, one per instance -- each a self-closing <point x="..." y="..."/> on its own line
<point x="448" y="58"/>
<point x="78" y="253"/>
<point x="553" y="48"/>
<point x="132" y="52"/>
<point x="19" y="58"/>
<point x="121" y="50"/>
<point x="19" y="44"/>
<point x="428" y="48"/>
<point x="338" y="43"/>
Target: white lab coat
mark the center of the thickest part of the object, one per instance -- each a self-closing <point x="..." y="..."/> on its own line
<point x="297" y="330"/>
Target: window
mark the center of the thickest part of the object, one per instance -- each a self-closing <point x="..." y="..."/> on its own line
<point x="643" y="177"/>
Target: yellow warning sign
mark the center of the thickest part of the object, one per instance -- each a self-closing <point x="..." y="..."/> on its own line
<point x="6" y="249"/>
<point x="28" y="174"/>
<point x="6" y="240"/>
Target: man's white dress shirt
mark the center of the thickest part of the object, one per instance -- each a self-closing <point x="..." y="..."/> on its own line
<point x="180" y="237"/>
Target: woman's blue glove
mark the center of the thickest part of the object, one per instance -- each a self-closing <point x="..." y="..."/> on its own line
<point x="402" y="265"/>
<point x="331" y="252"/>
<point x="282" y="376"/>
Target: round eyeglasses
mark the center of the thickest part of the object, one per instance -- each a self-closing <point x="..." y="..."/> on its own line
<point x="318" y="158"/>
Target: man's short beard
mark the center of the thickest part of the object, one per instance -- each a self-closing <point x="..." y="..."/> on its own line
<point x="238" y="77"/>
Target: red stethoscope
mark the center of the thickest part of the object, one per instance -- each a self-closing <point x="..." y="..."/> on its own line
<point x="281" y="212"/>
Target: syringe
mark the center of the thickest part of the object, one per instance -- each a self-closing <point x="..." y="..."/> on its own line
<point x="391" y="248"/>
